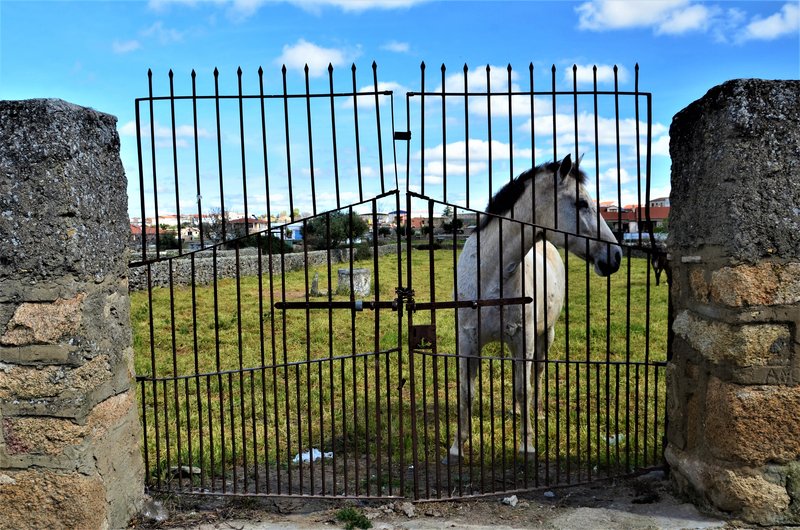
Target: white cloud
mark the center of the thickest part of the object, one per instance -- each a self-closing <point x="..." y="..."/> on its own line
<point x="241" y="9"/>
<point x="162" y="34"/>
<point x="784" y="22"/>
<point x="163" y="134"/>
<point x="605" y="74"/>
<point x="297" y="56"/>
<point x="664" y="16"/>
<point x="396" y="47"/>
<point x="695" y="17"/>
<point x="127" y="46"/>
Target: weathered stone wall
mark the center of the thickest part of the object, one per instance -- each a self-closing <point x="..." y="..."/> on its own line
<point x="734" y="378"/>
<point x="69" y="430"/>
<point x="226" y="266"/>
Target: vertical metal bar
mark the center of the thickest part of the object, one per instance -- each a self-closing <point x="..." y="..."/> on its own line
<point x="333" y="136"/>
<point x="444" y="141"/>
<point x="240" y="343"/>
<point x="254" y="432"/>
<point x="533" y="120"/>
<point x="189" y="427"/>
<point x="619" y="160"/>
<point x="145" y="439"/>
<point x="219" y="154"/>
<point x="244" y="162"/>
<point x="284" y="349"/>
<point x="168" y="465"/>
<point x="489" y="136"/>
<point x="175" y="377"/>
<point x="628" y="362"/>
<point x="310" y="151"/>
<point x="479" y="376"/>
<point x="458" y="371"/>
<point x="141" y="180"/>
<point x="434" y="350"/>
<point x="376" y="348"/>
<point x="466" y="133"/>
<point x="331" y="353"/>
<point x="353" y="347"/>
<point x="175" y="160"/>
<point x="510" y="131"/>
<point x="234" y="452"/>
<point x="153" y="371"/>
<point x="199" y="197"/>
<point x="400" y="378"/>
<point x="218" y="364"/>
<point x="266" y="159"/>
<point x="288" y="147"/>
<point x="422" y="131"/>
<point x="274" y="348"/>
<point x="378" y="124"/>
<point x="411" y="354"/>
<point x="262" y="351"/>
<point x="357" y="137"/>
<point x="308" y="337"/>
<point x="153" y="162"/>
<point x="588" y="332"/>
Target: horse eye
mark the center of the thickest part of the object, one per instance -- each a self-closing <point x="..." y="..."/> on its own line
<point x="582" y="204"/>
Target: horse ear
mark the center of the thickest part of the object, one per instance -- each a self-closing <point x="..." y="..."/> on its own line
<point x="566" y="166"/>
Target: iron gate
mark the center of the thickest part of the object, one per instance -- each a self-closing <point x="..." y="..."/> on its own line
<point x="268" y="367"/>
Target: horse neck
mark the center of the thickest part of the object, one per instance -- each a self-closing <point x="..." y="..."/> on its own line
<point x="509" y="241"/>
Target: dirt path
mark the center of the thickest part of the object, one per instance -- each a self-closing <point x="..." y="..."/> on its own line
<point x="640" y="503"/>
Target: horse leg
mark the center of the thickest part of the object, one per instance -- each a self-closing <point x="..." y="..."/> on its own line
<point x="524" y="397"/>
<point x="543" y="343"/>
<point x="468" y="367"/>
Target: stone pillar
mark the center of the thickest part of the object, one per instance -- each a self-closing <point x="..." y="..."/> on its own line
<point x="69" y="430"/>
<point x="734" y="378"/>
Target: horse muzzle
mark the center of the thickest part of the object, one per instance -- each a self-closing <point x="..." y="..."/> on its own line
<point x="607" y="261"/>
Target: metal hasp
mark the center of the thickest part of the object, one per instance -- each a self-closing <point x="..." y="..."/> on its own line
<point x="423" y="337"/>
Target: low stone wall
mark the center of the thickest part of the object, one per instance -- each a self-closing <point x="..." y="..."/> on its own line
<point x="734" y="378"/>
<point x="70" y="436"/>
<point x="226" y="266"/>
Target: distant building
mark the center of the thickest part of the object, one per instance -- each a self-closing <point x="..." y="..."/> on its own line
<point x="633" y="219"/>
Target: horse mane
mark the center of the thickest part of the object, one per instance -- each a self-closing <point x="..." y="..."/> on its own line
<point x="509" y="194"/>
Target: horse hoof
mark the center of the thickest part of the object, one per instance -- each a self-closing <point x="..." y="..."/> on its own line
<point x="531" y="451"/>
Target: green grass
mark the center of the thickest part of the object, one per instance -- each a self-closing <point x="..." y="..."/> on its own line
<point x="290" y="380"/>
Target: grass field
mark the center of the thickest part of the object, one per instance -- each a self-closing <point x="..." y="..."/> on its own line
<point x="238" y="388"/>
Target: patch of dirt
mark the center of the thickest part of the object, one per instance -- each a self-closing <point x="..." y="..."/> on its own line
<point x="546" y="508"/>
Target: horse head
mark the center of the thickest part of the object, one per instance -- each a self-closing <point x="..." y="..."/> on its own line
<point x="569" y="208"/>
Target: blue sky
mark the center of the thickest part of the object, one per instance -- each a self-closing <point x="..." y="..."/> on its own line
<point x="97" y="54"/>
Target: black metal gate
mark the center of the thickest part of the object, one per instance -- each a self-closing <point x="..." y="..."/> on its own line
<point x="270" y="344"/>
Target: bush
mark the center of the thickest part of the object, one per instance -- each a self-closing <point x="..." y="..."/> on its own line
<point x="428" y="246"/>
<point x="362" y="251"/>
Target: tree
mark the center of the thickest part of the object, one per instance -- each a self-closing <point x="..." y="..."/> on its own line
<point x="167" y="241"/>
<point x="384" y="231"/>
<point x="447" y="212"/>
<point x="212" y="228"/>
<point x="343" y="227"/>
<point x="454" y="227"/>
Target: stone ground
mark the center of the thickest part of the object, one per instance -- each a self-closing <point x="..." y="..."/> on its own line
<point x="635" y="503"/>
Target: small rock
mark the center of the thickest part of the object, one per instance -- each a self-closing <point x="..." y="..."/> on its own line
<point x="654" y="476"/>
<point x="407" y="508"/>
<point x="154" y="511"/>
<point x="184" y="471"/>
<point x="549" y="494"/>
<point x="511" y="501"/>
